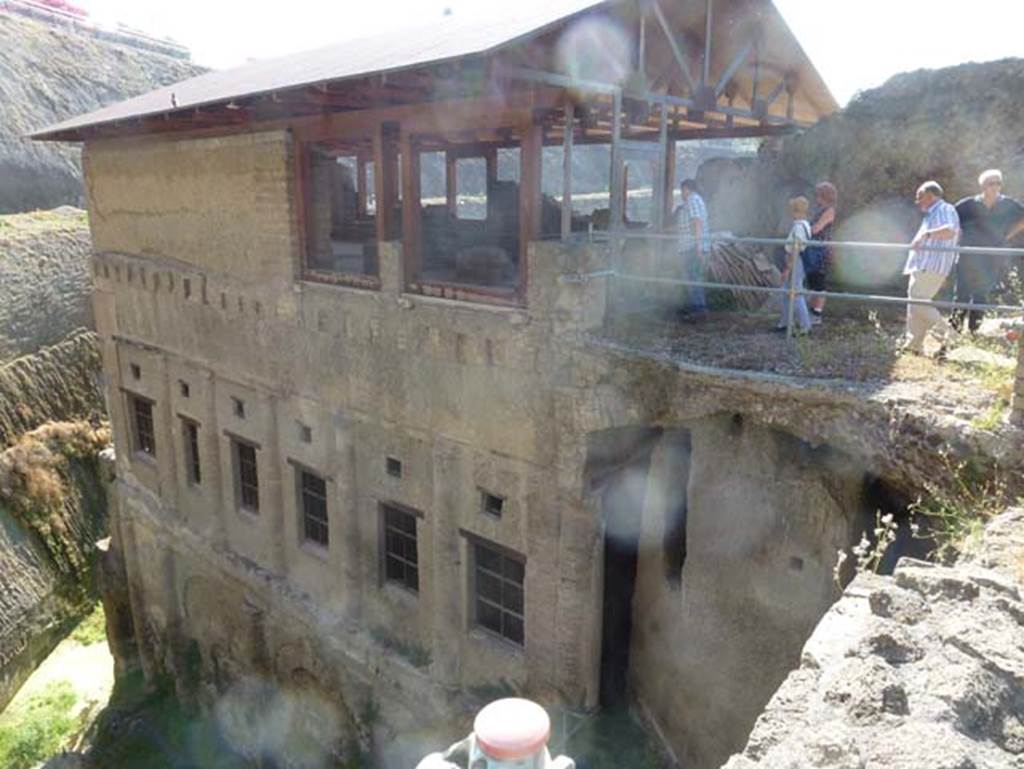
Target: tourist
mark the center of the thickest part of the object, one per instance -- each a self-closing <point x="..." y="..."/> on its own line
<point x="817" y="256"/>
<point x="694" y="246"/>
<point x="990" y="219"/>
<point x="929" y="263"/>
<point x="796" y="244"/>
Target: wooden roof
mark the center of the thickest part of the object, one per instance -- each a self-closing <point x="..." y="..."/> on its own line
<point x="455" y="56"/>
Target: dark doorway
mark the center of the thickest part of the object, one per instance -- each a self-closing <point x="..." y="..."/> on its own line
<point x="622" y="502"/>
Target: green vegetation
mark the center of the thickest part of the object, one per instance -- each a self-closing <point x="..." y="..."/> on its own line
<point x="956" y="506"/>
<point x="92" y="629"/>
<point x="411" y="652"/>
<point x="612" y="740"/>
<point x="32" y="732"/>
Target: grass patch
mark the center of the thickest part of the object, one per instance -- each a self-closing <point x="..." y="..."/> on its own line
<point x="92" y="629"/>
<point x="411" y="652"/>
<point x="957" y="506"/>
<point x="36" y="730"/>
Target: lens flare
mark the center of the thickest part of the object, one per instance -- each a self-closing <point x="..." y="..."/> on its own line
<point x="595" y="49"/>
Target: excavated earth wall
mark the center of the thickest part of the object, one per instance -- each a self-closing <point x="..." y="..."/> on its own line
<point x="44" y="275"/>
<point x="48" y="74"/>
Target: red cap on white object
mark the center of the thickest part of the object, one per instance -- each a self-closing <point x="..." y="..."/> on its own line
<point x="512" y="728"/>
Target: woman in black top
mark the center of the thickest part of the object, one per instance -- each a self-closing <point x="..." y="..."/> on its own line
<point x="818" y="256"/>
<point x="989" y="219"/>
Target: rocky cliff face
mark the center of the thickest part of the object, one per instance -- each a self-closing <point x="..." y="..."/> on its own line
<point x="48" y="74"/>
<point x="44" y="279"/>
<point x="924" y="669"/>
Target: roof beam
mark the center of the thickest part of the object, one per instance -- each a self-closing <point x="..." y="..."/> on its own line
<point x="674" y="44"/>
<point x="738" y="60"/>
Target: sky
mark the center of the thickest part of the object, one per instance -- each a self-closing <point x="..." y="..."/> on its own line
<point x="855" y="44"/>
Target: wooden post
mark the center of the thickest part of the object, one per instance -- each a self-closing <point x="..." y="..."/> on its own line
<point x="491" y="158"/>
<point x="531" y="147"/>
<point x="570" y="111"/>
<point x="1017" y="407"/>
<point x="450" y="182"/>
<point x="670" y="181"/>
<point x="411" y="257"/>
<point x="385" y="183"/>
<point x="361" y="190"/>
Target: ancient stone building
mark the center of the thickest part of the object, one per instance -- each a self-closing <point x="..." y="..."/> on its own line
<point x="375" y="461"/>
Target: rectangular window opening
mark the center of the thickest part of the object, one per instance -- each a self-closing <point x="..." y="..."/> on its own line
<point x="247" y="485"/>
<point x="469" y="226"/>
<point x="142" y="424"/>
<point x="313" y="497"/>
<point x="341" y="213"/>
<point x="238" y="407"/>
<point x="184" y="389"/>
<point x="136" y="370"/>
<point x="498" y="591"/>
<point x="190" y="439"/>
<point x="400" y="550"/>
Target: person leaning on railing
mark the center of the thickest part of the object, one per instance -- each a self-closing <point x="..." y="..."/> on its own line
<point x="694" y="247"/>
<point x="990" y="219"/>
<point x="929" y="262"/>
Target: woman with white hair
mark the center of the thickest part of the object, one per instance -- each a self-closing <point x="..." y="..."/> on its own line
<point x="989" y="219"/>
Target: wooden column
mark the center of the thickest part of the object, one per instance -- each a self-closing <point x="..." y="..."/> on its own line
<point x="410" y="210"/>
<point x="361" y="190"/>
<point x="385" y="183"/>
<point x="491" y="159"/>
<point x="570" y="110"/>
<point x="450" y="182"/>
<point x="530" y="150"/>
<point x="670" y="180"/>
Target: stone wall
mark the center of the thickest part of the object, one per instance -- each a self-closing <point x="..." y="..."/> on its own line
<point x="921" y="669"/>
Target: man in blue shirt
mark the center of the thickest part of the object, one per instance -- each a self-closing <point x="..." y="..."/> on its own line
<point x="928" y="265"/>
<point x="694" y="247"/>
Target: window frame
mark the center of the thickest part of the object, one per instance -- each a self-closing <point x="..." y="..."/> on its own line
<point x="237" y="444"/>
<point x="191" y="451"/>
<point x="414" y="516"/>
<point x="505" y="612"/>
<point x="305" y="516"/>
<point x="137" y="438"/>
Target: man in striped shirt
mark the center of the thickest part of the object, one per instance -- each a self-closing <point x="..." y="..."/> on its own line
<point x="694" y="246"/>
<point x="928" y="265"/>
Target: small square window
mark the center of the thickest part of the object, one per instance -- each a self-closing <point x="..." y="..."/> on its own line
<point x="136" y="370"/>
<point x="186" y="285"/>
<point x="492" y="504"/>
<point x="183" y="387"/>
<point x="393" y="467"/>
<point x="305" y="433"/>
<point x="238" y="407"/>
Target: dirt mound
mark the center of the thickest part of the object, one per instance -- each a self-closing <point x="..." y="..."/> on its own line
<point x="48" y="74"/>
<point x="44" y="279"/>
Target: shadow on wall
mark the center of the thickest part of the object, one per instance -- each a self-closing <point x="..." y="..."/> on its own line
<point x="720" y="539"/>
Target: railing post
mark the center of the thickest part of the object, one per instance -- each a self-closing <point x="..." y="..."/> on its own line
<point x="1017" y="406"/>
<point x="792" y="298"/>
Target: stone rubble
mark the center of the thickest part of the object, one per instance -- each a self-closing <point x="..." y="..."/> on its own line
<point x="922" y="670"/>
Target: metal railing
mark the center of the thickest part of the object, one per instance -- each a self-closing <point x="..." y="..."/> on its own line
<point x="791" y="290"/>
